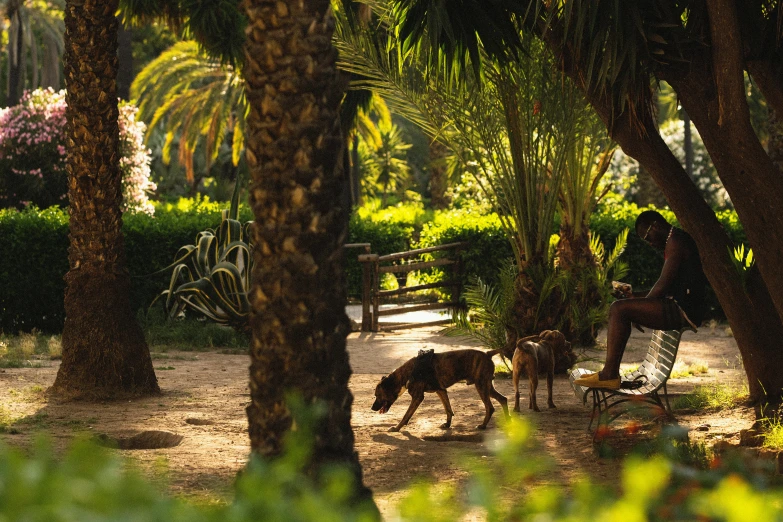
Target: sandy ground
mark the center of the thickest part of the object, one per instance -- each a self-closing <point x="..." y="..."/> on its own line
<point x="212" y="387"/>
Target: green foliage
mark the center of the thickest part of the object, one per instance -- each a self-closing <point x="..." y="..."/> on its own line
<point x="667" y="479"/>
<point x="35" y="250"/>
<point x="742" y="262"/>
<point x="218" y="26"/>
<point x="212" y="276"/>
<point x="384" y="163"/>
<point x="385" y="237"/>
<point x="490" y="308"/>
<point x="488" y="246"/>
<point x="32" y="295"/>
<point x="195" y="99"/>
<point x="714" y="397"/>
<point x="190" y="334"/>
<point x="410" y="214"/>
<point x="32" y="292"/>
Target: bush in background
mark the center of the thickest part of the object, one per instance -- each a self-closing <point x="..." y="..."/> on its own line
<point x="32" y="154"/>
<point x="35" y="244"/>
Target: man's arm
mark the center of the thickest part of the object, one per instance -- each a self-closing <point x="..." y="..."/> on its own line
<point x="674" y="254"/>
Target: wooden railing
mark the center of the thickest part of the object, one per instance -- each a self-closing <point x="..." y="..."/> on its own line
<point x="374" y="265"/>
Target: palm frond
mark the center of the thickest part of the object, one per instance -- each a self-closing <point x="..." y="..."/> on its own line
<point x="189" y="95"/>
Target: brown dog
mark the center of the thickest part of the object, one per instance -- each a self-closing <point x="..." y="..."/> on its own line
<point x="536" y="355"/>
<point x="434" y="372"/>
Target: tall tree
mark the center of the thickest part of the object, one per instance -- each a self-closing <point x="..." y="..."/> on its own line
<point x="613" y="49"/>
<point x="294" y="151"/>
<point x="104" y="351"/>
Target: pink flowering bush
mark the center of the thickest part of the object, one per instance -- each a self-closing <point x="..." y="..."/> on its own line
<point x="32" y="154"/>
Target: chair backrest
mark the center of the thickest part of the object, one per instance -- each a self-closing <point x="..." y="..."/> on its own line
<point x="659" y="361"/>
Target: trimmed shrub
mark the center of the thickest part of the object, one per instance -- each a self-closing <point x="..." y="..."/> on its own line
<point x="35" y="245"/>
<point x="35" y="260"/>
<point x="488" y="247"/>
<point x="384" y="238"/>
<point x="37" y="241"/>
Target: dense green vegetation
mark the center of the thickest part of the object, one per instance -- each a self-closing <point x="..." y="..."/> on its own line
<point x="665" y="479"/>
<point x="37" y="241"/>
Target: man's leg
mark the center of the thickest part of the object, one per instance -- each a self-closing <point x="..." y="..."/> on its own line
<point x="652" y="312"/>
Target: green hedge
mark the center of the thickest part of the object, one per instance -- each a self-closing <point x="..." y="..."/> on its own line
<point x="488" y="248"/>
<point x="35" y="245"/>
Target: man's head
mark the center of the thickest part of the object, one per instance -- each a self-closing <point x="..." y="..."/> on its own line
<point x="653" y="228"/>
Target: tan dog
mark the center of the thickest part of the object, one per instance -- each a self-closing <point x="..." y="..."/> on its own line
<point x="434" y="372"/>
<point x="536" y="355"/>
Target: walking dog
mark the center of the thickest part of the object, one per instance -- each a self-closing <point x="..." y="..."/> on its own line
<point x="434" y="372"/>
<point x="536" y="355"/>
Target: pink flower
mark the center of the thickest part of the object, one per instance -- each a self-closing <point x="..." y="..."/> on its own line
<point x="32" y="142"/>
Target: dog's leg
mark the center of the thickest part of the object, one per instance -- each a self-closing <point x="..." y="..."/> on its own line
<point x="415" y="401"/>
<point x="484" y="394"/>
<point x="500" y="398"/>
<point x="550" y="379"/>
<point x="444" y="398"/>
<point x="515" y="376"/>
<point x="533" y="386"/>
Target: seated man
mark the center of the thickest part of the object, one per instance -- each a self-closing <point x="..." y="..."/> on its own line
<point x="675" y="301"/>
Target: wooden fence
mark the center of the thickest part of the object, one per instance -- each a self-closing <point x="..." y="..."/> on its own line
<point x="402" y="263"/>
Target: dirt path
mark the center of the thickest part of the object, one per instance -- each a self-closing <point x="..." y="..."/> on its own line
<point x="205" y="394"/>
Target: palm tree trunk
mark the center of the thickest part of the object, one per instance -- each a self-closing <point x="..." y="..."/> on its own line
<point x="105" y="354"/>
<point x="294" y="151"/>
<point x="15" y="46"/>
<point x="125" y="55"/>
<point x="687" y="144"/>
<point x="439" y="182"/>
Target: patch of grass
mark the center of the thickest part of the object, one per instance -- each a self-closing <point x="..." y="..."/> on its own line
<point x="773" y="435"/>
<point x="189" y="334"/>
<point x="6" y="420"/>
<point x="712" y="397"/>
<point x="165" y="368"/>
<point x="683" y="370"/>
<point x="20" y="351"/>
<point x="55" y="347"/>
<point x="502" y="371"/>
<point x="37" y="420"/>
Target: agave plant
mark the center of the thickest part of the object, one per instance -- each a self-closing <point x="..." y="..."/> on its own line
<point x="212" y="276"/>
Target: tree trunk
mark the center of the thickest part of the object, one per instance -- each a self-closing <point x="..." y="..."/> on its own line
<point x="125" y="55"/>
<point x="750" y="310"/>
<point x="105" y="354"/>
<point x="687" y="143"/>
<point x="438" y="175"/>
<point x="294" y="151"/>
<point x="775" y="144"/>
<point x="747" y="172"/>
<point x="15" y="46"/>
<point x="647" y="191"/>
